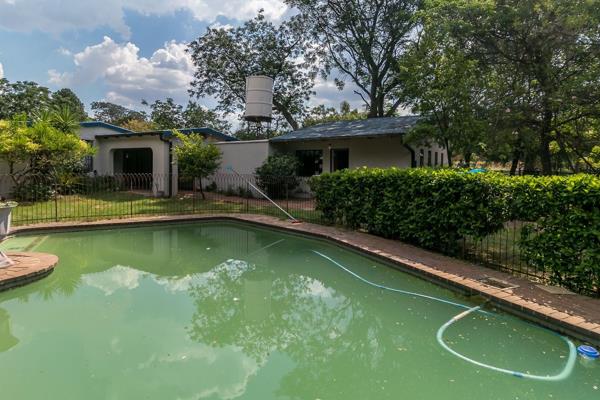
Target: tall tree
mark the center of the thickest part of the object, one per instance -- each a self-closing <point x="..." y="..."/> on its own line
<point x="197" y="116"/>
<point x="66" y="98"/>
<point x="166" y="114"/>
<point x="364" y="40"/>
<point x="22" y="97"/>
<point x="322" y="114"/>
<point x="447" y="88"/>
<point x="546" y="55"/>
<point x="225" y="57"/>
<point x="170" y="115"/>
<point x="115" y="114"/>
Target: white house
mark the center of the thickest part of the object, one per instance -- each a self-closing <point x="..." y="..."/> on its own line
<point x="376" y="142"/>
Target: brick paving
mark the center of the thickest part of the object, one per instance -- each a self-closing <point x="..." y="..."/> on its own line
<point x="28" y="267"/>
<point x="572" y="314"/>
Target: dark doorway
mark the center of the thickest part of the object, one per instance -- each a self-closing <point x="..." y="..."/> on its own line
<point x="133" y="161"/>
<point x="340" y="159"/>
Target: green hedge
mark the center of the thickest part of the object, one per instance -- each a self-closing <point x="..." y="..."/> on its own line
<point x="435" y="209"/>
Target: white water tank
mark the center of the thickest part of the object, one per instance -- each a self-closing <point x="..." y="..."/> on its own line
<point x="259" y="98"/>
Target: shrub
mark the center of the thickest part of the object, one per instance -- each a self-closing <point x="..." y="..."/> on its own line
<point x="430" y="208"/>
<point x="435" y="209"/>
<point x="277" y="175"/>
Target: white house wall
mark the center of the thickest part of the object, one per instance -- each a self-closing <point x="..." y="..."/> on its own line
<point x="243" y="156"/>
<point x="380" y="152"/>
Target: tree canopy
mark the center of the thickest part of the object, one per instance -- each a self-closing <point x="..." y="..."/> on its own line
<point x="67" y="99"/>
<point x="22" y="97"/>
<point x="170" y="115"/>
<point x="115" y="114"/>
<point x="225" y="57"/>
<point x="542" y="60"/>
<point x="364" y="40"/>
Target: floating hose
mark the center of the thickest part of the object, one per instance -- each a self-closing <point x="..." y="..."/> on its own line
<point x="569" y="365"/>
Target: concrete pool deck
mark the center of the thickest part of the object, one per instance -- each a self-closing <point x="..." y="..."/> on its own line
<point x="571" y="314"/>
<point x="28" y="267"/>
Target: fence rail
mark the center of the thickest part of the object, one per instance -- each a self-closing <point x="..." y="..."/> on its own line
<point x="86" y="198"/>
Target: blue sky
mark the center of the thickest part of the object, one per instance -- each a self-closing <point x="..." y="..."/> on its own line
<point x="121" y="50"/>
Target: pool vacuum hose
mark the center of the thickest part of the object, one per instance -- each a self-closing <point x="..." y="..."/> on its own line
<point x="566" y="371"/>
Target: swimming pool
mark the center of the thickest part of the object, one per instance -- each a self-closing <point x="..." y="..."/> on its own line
<point x="225" y="310"/>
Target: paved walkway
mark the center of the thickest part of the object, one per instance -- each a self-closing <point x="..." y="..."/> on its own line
<point x="28" y="267"/>
<point x="571" y="314"/>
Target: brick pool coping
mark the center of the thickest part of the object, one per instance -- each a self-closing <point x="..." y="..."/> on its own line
<point x="28" y="267"/>
<point x="571" y="314"/>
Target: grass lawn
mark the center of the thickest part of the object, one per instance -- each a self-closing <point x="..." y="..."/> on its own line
<point x="128" y="204"/>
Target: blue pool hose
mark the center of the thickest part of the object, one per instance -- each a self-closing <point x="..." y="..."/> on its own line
<point x="566" y="371"/>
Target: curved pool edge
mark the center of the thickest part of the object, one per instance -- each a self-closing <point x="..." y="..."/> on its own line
<point x="571" y="324"/>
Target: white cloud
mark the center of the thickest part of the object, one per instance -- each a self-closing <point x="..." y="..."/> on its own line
<point x="129" y="77"/>
<point x="1" y="71"/>
<point x="56" y="16"/>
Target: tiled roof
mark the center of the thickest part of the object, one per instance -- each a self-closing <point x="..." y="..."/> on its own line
<point x="370" y="127"/>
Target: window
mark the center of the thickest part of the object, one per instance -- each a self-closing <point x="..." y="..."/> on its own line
<point x="421" y="158"/>
<point x="340" y="159"/>
<point x="311" y="162"/>
<point x="436" y="158"/>
<point x="88" y="161"/>
<point x="429" y="158"/>
<point x="442" y="161"/>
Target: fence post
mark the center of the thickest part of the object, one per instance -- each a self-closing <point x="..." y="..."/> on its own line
<point x="247" y="198"/>
<point x="56" y="202"/>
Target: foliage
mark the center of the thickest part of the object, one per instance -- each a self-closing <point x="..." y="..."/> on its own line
<point x="437" y="208"/>
<point x="169" y="115"/>
<point x="22" y="97"/>
<point x="195" y="158"/>
<point x="277" y="175"/>
<point x="139" y="125"/>
<point x="224" y="57"/>
<point x="447" y="88"/>
<point x="67" y="99"/>
<point x="543" y="62"/>
<point x="322" y="114"/>
<point x="115" y="114"/>
<point x="364" y="40"/>
<point x="39" y="150"/>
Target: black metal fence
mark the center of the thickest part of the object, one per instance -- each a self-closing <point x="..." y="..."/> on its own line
<point x="86" y="198"/>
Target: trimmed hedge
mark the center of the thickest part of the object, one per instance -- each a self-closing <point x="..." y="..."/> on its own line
<point x="435" y="209"/>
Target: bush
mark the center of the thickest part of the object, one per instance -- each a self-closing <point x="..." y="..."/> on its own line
<point x="430" y="208"/>
<point x="277" y="175"/>
<point x="436" y="209"/>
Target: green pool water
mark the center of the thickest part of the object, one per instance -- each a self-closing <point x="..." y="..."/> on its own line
<point x="231" y="311"/>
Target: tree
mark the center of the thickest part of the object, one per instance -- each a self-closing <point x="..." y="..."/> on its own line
<point x="225" y="57"/>
<point x="546" y="60"/>
<point x="22" y="97"/>
<point x="115" y="114"/>
<point x="364" y="40"/>
<point x="447" y="88"/>
<point x="139" y="125"/>
<point x="38" y="151"/>
<point x="166" y="114"/>
<point x="195" y="158"/>
<point x="66" y="98"/>
<point x="197" y="116"/>
<point x="322" y="114"/>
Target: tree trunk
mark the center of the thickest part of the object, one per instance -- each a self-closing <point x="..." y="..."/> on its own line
<point x="286" y="114"/>
<point x="544" y="152"/>
<point x="448" y="152"/>
<point x="201" y="189"/>
<point x="514" y="164"/>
